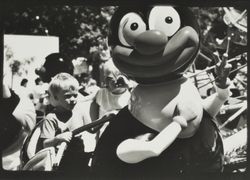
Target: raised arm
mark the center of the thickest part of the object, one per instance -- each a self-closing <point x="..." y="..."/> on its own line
<point x="213" y="103"/>
<point x="25" y="113"/>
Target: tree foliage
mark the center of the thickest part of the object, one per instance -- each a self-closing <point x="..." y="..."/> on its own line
<point x="78" y="27"/>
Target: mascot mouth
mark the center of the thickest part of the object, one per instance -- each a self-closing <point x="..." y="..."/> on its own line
<point x="177" y="51"/>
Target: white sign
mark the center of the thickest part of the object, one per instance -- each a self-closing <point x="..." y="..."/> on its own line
<point x="30" y="51"/>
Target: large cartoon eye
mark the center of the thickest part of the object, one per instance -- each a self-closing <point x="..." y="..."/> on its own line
<point x="165" y="19"/>
<point x="131" y="25"/>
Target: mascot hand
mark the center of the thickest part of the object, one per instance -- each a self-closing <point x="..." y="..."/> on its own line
<point x="180" y="120"/>
<point x="222" y="69"/>
<point x="183" y="114"/>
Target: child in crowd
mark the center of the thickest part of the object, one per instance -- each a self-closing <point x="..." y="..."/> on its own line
<point x="115" y="95"/>
<point x="39" y="93"/>
<point x="68" y="114"/>
<point x="88" y="85"/>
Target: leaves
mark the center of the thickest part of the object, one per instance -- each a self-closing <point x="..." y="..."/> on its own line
<point x="78" y="27"/>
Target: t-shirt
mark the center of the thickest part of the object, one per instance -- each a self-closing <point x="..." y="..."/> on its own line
<point x="56" y="123"/>
<point x="75" y="159"/>
<point x="109" y="101"/>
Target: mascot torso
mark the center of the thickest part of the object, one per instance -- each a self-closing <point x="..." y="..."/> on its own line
<point x="154" y="105"/>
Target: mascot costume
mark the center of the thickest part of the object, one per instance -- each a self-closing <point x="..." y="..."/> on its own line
<point x="167" y="128"/>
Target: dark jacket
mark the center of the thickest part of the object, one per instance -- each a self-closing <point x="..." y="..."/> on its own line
<point x="10" y="127"/>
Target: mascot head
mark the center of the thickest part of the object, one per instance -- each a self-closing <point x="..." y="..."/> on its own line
<point x="154" y="44"/>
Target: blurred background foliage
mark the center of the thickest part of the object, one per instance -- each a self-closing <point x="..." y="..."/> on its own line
<point x="78" y="27"/>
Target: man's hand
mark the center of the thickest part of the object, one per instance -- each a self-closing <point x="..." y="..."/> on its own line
<point x="64" y="137"/>
<point x="6" y="88"/>
<point x="222" y="70"/>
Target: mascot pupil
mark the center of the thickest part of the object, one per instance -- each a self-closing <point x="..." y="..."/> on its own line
<point x="166" y="120"/>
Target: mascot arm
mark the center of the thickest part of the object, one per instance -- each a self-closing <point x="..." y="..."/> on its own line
<point x="137" y="150"/>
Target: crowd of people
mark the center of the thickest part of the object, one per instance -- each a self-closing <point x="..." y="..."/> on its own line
<point x="63" y="99"/>
<point x="62" y="102"/>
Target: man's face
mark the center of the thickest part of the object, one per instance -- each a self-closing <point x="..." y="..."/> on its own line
<point x="66" y="98"/>
<point x="116" y="84"/>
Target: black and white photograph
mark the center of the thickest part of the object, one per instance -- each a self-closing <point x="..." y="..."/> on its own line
<point x="109" y="91"/>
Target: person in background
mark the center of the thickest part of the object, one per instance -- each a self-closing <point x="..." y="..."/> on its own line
<point x="23" y="90"/>
<point x="91" y="86"/>
<point x="115" y="95"/>
<point x="39" y="94"/>
<point x="88" y="86"/>
<point x="82" y="72"/>
<point x="54" y="63"/>
<point x="19" y="120"/>
<point x="39" y="90"/>
<point x="99" y="57"/>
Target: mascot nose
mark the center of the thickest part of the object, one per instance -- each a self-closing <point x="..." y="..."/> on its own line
<point x="150" y="42"/>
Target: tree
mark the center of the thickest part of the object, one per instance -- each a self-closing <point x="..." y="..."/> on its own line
<point x="78" y="27"/>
